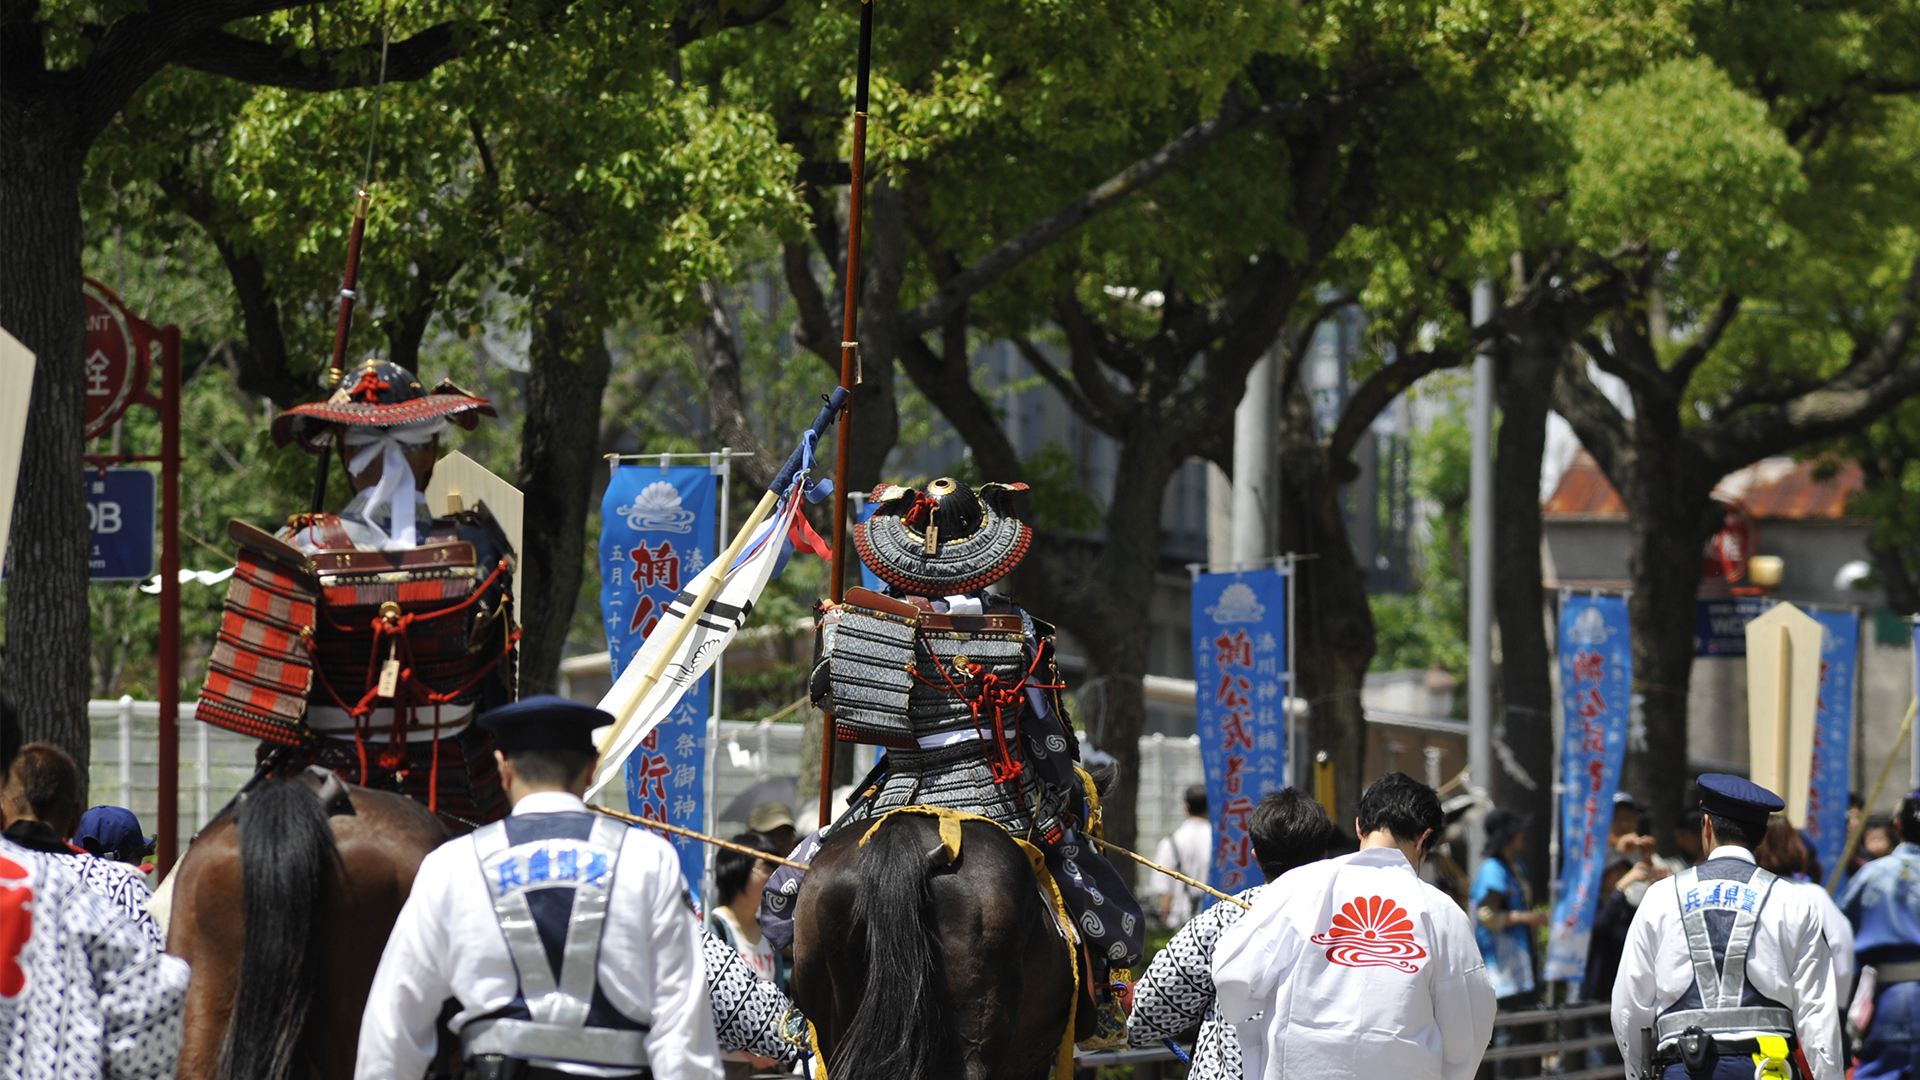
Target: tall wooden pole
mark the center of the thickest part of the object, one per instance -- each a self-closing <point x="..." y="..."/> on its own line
<point x="849" y="369"/>
<point x="168" y="850"/>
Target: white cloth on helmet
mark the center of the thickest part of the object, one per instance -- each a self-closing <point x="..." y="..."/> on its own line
<point x="395" y="488"/>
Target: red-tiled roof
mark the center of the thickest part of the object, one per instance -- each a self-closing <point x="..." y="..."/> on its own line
<point x="1777" y="488"/>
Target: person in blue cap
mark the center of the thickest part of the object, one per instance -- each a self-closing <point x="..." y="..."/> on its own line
<point x="1883" y="904"/>
<point x="113" y="832"/>
<point x="565" y="936"/>
<point x="1724" y="975"/>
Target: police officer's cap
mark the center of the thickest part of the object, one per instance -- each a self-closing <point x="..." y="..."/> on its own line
<point x="546" y="722"/>
<point x="1737" y="798"/>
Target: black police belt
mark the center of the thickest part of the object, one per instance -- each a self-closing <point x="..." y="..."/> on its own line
<point x="558" y="1029"/>
<point x="1722" y="986"/>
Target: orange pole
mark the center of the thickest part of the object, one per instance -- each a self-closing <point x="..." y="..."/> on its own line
<point x="849" y="371"/>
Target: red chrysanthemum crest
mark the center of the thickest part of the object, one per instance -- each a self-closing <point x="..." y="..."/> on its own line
<point x="1372" y="931"/>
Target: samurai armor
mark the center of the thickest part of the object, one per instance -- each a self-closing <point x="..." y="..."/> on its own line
<point x="965" y="670"/>
<point x="945" y="541"/>
<point x="456" y="776"/>
<point x="261" y="668"/>
<point x="436" y="609"/>
<point x="863" y="667"/>
<point x="321" y="630"/>
<point x="961" y="778"/>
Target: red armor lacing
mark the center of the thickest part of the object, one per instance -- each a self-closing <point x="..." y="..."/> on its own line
<point x="995" y="691"/>
<point x="408" y="694"/>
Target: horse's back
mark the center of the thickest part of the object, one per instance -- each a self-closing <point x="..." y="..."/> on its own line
<point x="1002" y="978"/>
<point x="380" y="844"/>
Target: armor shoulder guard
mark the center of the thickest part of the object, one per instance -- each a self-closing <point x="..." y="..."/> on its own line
<point x="478" y="526"/>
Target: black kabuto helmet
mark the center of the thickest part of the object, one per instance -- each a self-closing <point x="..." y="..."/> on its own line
<point x="945" y="540"/>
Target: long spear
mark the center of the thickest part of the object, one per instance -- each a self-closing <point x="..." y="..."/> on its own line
<point x="363" y="198"/>
<point x="849" y="368"/>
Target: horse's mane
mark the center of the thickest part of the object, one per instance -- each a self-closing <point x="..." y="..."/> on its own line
<point x="290" y="868"/>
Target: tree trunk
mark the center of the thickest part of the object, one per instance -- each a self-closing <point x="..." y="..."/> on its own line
<point x="1670" y="515"/>
<point x="1526" y="375"/>
<point x="567" y="376"/>
<point x="1104" y="597"/>
<point x="1332" y="621"/>
<point x="45" y="670"/>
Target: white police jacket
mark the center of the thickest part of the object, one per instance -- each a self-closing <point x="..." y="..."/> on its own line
<point x="648" y="985"/>
<point x="1787" y="962"/>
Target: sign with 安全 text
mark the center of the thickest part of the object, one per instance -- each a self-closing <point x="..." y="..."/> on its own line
<point x="1240" y="666"/>
<point x="657" y="530"/>
<point x="113" y="362"/>
<point x="120" y="516"/>
<point x="1596" y="676"/>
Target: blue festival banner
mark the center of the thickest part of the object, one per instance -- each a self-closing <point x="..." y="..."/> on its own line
<point x="657" y="530"/>
<point x="1596" y="676"/>
<point x="1239" y="667"/>
<point x="1826" y="825"/>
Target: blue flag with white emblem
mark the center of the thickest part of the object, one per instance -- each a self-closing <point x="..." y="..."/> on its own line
<point x="1596" y="676"/>
<point x="657" y="531"/>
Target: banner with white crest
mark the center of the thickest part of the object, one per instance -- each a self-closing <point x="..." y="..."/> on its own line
<point x="658" y="529"/>
<point x="760" y="559"/>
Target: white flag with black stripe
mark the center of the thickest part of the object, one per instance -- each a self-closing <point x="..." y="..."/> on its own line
<point x="704" y="643"/>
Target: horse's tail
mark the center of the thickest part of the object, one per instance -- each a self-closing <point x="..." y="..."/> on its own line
<point x="897" y="1033"/>
<point x="290" y="872"/>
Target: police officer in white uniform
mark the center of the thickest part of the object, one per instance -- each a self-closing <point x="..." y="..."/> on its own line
<point x="564" y="935"/>
<point x="1724" y="974"/>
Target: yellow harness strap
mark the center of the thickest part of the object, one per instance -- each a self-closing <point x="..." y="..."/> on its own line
<point x="950" y="822"/>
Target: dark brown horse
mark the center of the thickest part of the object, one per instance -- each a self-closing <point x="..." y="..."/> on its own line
<point x="913" y="966"/>
<point x="282" y="906"/>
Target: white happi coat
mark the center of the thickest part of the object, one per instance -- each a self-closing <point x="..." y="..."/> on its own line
<point x="1355" y="968"/>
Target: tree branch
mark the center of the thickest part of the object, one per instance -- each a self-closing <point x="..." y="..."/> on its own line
<point x="1083" y="351"/>
<point x="1682" y="370"/>
<point x="1378" y="392"/>
<point x="708" y="18"/>
<point x="813" y="329"/>
<point x="989" y="267"/>
<point x="1600" y="427"/>
<point x="950" y="389"/>
<point x="1068" y="390"/>
<point x="1878" y="379"/>
<point x="262" y="63"/>
<point x="717" y="349"/>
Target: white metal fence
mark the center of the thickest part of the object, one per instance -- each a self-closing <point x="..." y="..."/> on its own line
<point x="125" y="766"/>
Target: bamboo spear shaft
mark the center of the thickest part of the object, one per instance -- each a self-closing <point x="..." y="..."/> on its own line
<point x="349" y="282"/>
<point x="849" y="369"/>
<point x="1853" y="834"/>
<point x="699" y="608"/>
<point x="706" y="838"/>
<point x="649" y="823"/>
<point x="1174" y="874"/>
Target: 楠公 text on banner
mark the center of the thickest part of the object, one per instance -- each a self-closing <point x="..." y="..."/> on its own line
<point x="1240" y="672"/>
<point x="657" y="530"/>
<point x="1596" y="679"/>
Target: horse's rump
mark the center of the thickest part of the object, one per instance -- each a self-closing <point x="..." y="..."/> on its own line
<point x="315" y="896"/>
<point x="915" y="965"/>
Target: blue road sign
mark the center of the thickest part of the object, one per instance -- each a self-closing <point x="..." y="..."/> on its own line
<point x="120" y="517"/>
